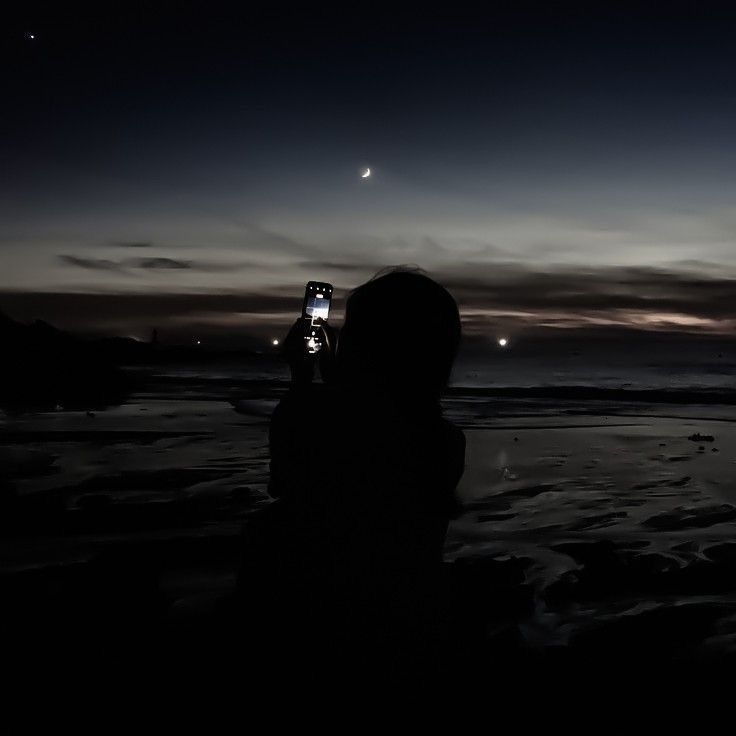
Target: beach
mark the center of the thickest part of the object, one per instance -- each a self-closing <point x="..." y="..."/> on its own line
<point x="623" y="522"/>
<point x="602" y="528"/>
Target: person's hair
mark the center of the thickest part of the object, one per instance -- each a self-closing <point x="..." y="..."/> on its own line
<point x="401" y="332"/>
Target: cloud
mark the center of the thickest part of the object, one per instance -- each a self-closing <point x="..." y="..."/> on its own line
<point x="341" y="266"/>
<point x="642" y="298"/>
<point x="132" y="244"/>
<point x="506" y="295"/>
<point x="153" y="263"/>
<point x="128" y="313"/>
<point x="91" y="264"/>
<point x="263" y="239"/>
<point x="159" y="263"/>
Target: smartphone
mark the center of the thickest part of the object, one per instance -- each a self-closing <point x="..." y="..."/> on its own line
<point x="317" y="299"/>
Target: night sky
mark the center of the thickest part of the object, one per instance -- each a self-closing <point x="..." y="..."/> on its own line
<point x="190" y="169"/>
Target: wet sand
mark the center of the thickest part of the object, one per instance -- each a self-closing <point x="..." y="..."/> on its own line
<point x="610" y="535"/>
<point x="623" y="525"/>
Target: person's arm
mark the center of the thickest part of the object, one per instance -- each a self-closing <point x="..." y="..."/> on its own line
<point x="457" y="456"/>
<point x="283" y="449"/>
<point x="286" y="443"/>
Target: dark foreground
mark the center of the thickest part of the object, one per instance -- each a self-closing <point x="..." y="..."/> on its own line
<point x="595" y="551"/>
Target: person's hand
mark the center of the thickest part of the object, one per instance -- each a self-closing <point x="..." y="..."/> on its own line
<point x="300" y="360"/>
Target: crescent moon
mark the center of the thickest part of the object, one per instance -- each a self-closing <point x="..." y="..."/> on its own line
<point x="365" y="174"/>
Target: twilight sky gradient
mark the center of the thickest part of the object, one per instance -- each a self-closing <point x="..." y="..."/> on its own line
<point x="191" y="169"/>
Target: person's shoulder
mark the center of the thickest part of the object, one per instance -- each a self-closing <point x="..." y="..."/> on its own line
<point x="453" y="441"/>
<point x="438" y="432"/>
<point x="452" y="431"/>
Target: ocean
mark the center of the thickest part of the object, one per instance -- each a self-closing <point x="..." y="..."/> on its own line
<point x="606" y="485"/>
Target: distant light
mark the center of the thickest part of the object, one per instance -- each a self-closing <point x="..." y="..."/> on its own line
<point x="503" y="342"/>
<point x="199" y="342"/>
<point x="274" y="342"/>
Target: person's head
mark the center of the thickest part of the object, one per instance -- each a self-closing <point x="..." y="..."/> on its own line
<point x="401" y="333"/>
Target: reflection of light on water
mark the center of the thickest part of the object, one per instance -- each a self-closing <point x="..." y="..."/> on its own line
<point x="508" y="475"/>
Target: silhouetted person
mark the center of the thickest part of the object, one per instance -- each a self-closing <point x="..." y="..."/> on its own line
<point x="364" y="468"/>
